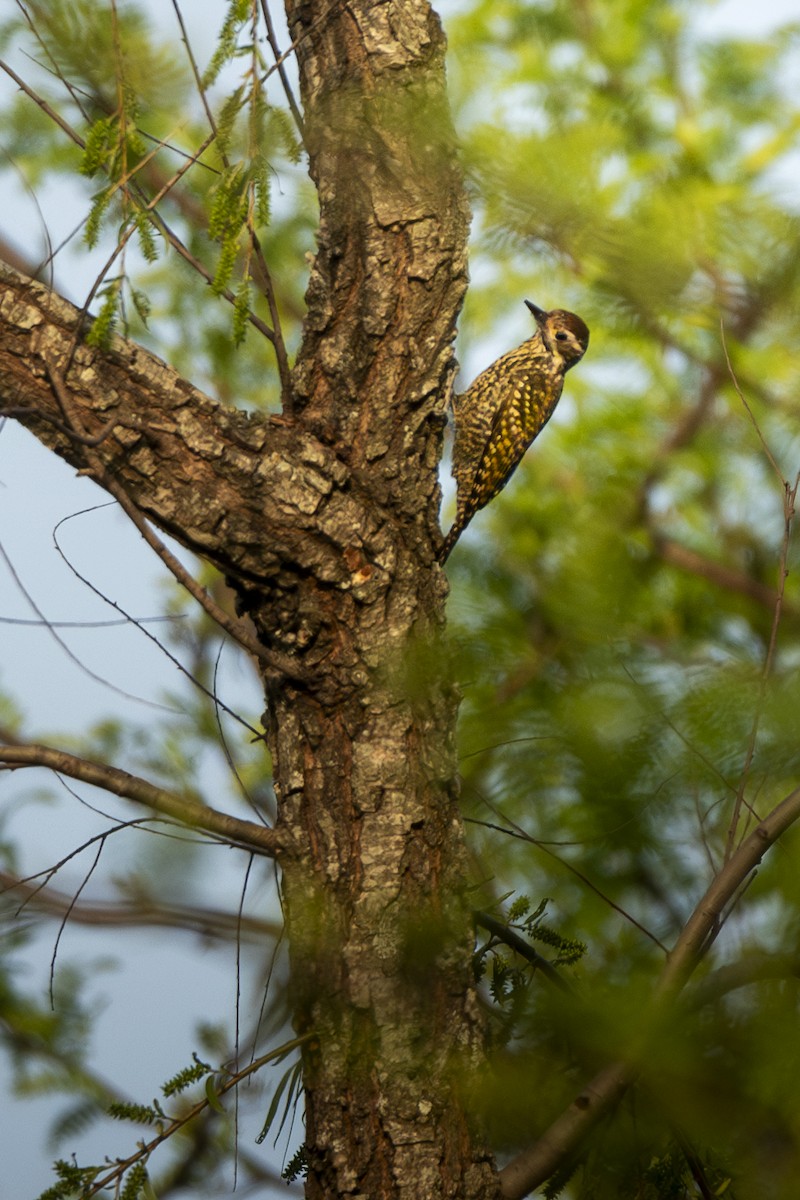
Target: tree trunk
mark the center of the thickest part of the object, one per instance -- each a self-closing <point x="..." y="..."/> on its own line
<point x="379" y="929"/>
<point x="325" y="522"/>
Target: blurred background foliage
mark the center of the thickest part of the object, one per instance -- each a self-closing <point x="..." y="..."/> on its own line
<point x="613" y="609"/>
<point x="612" y="612"/>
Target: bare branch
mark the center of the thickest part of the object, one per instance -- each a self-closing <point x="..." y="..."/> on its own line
<point x="184" y="809"/>
<point x="139" y="912"/>
<point x="685" y="559"/>
<point x="44" y="106"/>
<point x="694" y="941"/>
<point x="755" y="968"/>
<point x="284" y="78"/>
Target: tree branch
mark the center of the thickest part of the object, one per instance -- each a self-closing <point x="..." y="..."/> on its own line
<point x="512" y="939"/>
<point x="224" y="483"/>
<point x="563" y="1138"/>
<point x="138" y="912"/>
<point x="278" y="64"/>
<point x="676" y="555"/>
<point x="115" y="1174"/>
<point x="756" y="968"/>
<point x="696" y="936"/>
<point x="183" y="809"/>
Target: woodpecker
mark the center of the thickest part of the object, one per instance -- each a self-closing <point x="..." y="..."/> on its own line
<point x="509" y="403"/>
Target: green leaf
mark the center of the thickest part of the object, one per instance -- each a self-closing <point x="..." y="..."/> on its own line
<point x="97" y="212"/>
<point x="142" y="1114"/>
<point x="289" y="1080"/>
<point x="185" y="1078"/>
<point x="212" y="1095"/>
<point x="241" y="312"/>
<point x="98" y="144"/>
<point x="104" y="325"/>
<point x="146" y="236"/>
<point x="136" y="1182"/>
<point x="237" y="16"/>
<point x="297" y="1167"/>
<point x="142" y="304"/>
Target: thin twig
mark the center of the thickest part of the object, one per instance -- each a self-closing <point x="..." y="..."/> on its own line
<point x="284" y="78"/>
<point x="747" y="408"/>
<point x="74" y="93"/>
<point x="238" y="1015"/>
<point x="565" y="1135"/>
<point x="273" y="659"/>
<point x="517" y="831"/>
<point x="201" y="91"/>
<point x="255" y="245"/>
<point x="69" y="653"/>
<point x="44" y="106"/>
<point x="264" y="276"/>
<point x="789" y="498"/>
<point x="173" y="658"/>
<point x="147" y="1148"/>
<point x="65" y="918"/>
<point x="223" y="741"/>
<point x="40" y="624"/>
<point x="180" y="248"/>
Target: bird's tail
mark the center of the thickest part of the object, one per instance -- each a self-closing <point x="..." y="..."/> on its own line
<point x="450" y="541"/>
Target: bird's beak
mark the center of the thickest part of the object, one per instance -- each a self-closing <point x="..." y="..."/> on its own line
<point x="538" y="313"/>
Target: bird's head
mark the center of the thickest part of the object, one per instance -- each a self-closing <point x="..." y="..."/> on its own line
<point x="563" y="333"/>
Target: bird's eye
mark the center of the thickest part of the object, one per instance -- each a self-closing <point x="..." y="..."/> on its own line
<point x="561" y="336"/>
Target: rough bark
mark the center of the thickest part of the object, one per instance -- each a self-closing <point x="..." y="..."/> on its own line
<point x="325" y="522"/>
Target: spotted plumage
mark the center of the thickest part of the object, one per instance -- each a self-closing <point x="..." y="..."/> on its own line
<point x="509" y="403"/>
